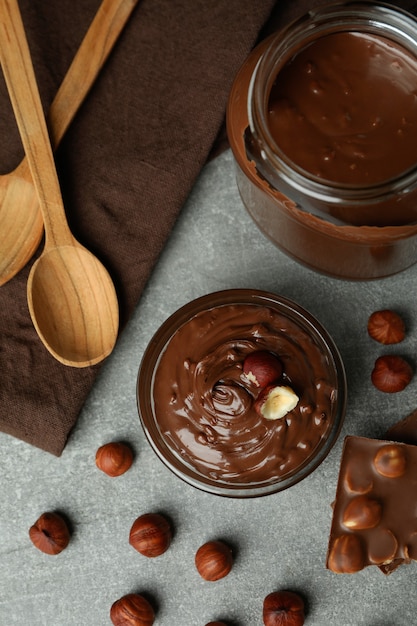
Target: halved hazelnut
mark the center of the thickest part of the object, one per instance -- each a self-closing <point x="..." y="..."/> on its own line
<point x="275" y="402"/>
<point x="390" y="461"/>
<point x="262" y="368"/>
<point x="391" y="373"/>
<point x="362" y="513"/>
<point x="386" y="327"/>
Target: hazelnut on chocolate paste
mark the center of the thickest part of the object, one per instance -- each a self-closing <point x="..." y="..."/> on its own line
<point x="205" y="406"/>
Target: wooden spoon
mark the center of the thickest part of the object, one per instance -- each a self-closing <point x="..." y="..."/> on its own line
<point x="21" y="224"/>
<point x="72" y="300"/>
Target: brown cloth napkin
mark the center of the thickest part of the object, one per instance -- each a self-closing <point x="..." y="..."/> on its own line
<point x="126" y="166"/>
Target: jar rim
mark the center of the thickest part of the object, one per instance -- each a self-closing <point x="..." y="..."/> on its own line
<point x="397" y="24"/>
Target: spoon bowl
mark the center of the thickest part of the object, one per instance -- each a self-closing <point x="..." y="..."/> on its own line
<point x="21" y="222"/>
<point x="55" y="301"/>
<point x="71" y="298"/>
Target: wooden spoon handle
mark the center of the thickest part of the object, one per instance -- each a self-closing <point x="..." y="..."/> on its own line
<point x="24" y="95"/>
<point x="90" y="58"/>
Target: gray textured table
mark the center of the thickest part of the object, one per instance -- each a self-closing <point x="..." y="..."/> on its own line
<point x="280" y="541"/>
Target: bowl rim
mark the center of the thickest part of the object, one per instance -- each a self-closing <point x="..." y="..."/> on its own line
<point x="145" y="377"/>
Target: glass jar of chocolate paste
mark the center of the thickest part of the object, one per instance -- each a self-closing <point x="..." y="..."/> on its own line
<point x="322" y="122"/>
<point x="199" y="408"/>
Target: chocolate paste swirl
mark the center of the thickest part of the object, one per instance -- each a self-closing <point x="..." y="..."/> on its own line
<point x="204" y="404"/>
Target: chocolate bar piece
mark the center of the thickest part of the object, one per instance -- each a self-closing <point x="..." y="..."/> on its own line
<point x="404" y="430"/>
<point x="375" y="511"/>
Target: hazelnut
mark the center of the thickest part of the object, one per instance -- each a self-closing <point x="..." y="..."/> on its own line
<point x="283" y="608"/>
<point x="132" y="610"/>
<point x="150" y="534"/>
<point x="391" y="373"/>
<point x="274" y="402"/>
<point x="412" y="546"/>
<point x="357" y="481"/>
<point x="346" y="555"/>
<point x="386" y="327"/>
<point x="382" y="550"/>
<point x="390" y="461"/>
<point x="362" y="513"/>
<point x="216" y="624"/>
<point x="50" y="533"/>
<point x="114" y="459"/>
<point x="262" y="368"/>
<point x="214" y="560"/>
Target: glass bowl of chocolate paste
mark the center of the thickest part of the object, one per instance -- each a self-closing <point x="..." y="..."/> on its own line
<point x="198" y="406"/>
<point x="322" y="123"/>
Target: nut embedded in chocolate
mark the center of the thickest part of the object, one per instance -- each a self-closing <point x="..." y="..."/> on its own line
<point x="390" y="461"/>
<point x="382" y="550"/>
<point x="357" y="481"/>
<point x="346" y="555"/>
<point x="362" y="513"/>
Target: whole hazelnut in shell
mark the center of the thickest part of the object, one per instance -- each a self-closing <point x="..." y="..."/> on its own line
<point x="216" y="624"/>
<point x="114" y="458"/>
<point x="50" y="533"/>
<point x="283" y="608"/>
<point x="386" y="327"/>
<point x="150" y="534"/>
<point x="214" y="560"/>
<point x="391" y="373"/>
<point x="262" y="368"/>
<point x="132" y="610"/>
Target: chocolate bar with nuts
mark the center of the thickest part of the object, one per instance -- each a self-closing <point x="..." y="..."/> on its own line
<point x="374" y="515"/>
